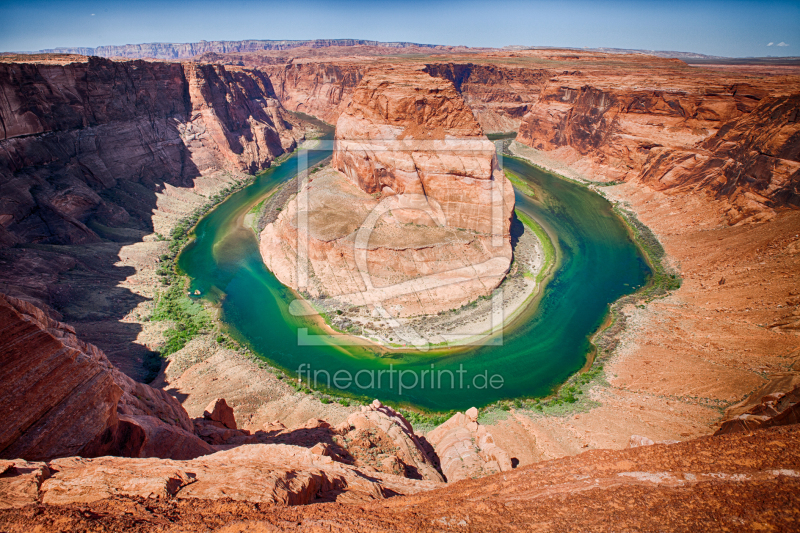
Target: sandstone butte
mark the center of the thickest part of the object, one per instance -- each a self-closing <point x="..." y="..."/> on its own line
<point x="417" y="218"/>
<point x="98" y="155"/>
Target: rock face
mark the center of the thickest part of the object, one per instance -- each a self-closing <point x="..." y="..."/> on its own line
<point x="466" y="450"/>
<point x="187" y="50"/>
<point x="737" y="143"/>
<point x="275" y="474"/>
<point x="753" y="160"/>
<point x="97" y="154"/>
<point x="777" y="409"/>
<point x="499" y="96"/>
<point x="219" y="411"/>
<point x="407" y="454"/>
<point x="80" y="139"/>
<point x="611" y="116"/>
<point x="445" y="156"/>
<point x="748" y="481"/>
<point x="376" y="439"/>
<point x="320" y="89"/>
<point x="62" y="397"/>
<point x="417" y="219"/>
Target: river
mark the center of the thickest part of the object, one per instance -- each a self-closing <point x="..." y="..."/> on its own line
<point x="598" y="263"/>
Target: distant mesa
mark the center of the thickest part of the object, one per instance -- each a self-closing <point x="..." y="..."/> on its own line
<point x="187" y="50"/>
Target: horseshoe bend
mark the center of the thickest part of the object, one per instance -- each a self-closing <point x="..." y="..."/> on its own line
<point x="346" y="285"/>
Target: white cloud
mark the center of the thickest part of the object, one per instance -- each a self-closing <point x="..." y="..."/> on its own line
<point x="770" y="44"/>
<point x="782" y="44"/>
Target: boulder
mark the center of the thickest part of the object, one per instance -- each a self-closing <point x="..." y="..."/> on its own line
<point x="380" y="437"/>
<point x="637" y="441"/>
<point x="219" y="411"/>
<point x="20" y="481"/>
<point x="776" y="409"/>
<point x="62" y="397"/>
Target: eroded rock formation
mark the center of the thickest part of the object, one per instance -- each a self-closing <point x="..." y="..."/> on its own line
<point x="739" y="143"/>
<point x="744" y="481"/>
<point x="776" y="409"/>
<point x="320" y="89"/>
<point x="615" y="117"/>
<point x="417" y="219"/>
<point x="80" y="139"/>
<point x="187" y="50"/>
<point x="96" y="154"/>
<point x="408" y="454"/>
<point x="466" y="449"/>
<point x="62" y="397"/>
<point x="276" y="474"/>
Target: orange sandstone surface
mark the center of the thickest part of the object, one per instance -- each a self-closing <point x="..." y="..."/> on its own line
<point x="708" y="159"/>
<point x="740" y="482"/>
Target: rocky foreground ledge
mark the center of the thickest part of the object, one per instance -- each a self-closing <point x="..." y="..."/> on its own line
<point x="739" y="482"/>
<point x="77" y="430"/>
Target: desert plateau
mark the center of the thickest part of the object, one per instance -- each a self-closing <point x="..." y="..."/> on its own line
<point x="298" y="284"/>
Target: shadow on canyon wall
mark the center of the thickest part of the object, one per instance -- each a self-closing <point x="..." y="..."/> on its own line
<point x="87" y="148"/>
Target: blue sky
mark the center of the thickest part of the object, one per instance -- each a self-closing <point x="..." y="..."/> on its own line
<point x="733" y="28"/>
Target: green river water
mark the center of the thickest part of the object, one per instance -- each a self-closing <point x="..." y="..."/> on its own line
<point x="598" y="263"/>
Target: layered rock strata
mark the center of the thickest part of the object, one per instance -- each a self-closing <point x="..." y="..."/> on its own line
<point x="97" y="155"/>
<point x="776" y="409"/>
<point x="409" y="454"/>
<point x="744" y="481"/>
<point x="62" y="397"/>
<point x="614" y="117"/>
<point x="274" y="474"/>
<point x="466" y="449"/>
<point x="80" y="139"/>
<point x="323" y="90"/>
<point x="741" y="146"/>
<point x="414" y="217"/>
<point x="188" y="50"/>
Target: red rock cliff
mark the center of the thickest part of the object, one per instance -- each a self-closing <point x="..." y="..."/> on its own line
<point x="725" y="140"/>
<point x="408" y="132"/>
<point x="319" y="89"/>
<point x="90" y="139"/>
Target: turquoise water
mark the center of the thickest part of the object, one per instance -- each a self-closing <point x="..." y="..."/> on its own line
<point x="598" y="263"/>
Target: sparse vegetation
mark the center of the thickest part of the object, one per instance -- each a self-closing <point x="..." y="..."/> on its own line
<point x="188" y="317"/>
<point x="664" y="278"/>
<point x="425" y="421"/>
<point x="519" y="183"/>
<point x="544" y="238"/>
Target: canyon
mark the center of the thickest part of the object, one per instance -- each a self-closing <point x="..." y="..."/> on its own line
<point x="101" y="157"/>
